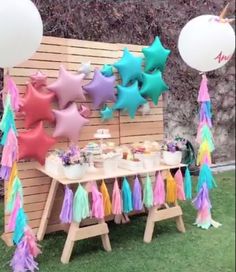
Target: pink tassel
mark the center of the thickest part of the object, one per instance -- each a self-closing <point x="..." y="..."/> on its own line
<point x="203" y="94"/>
<point x="159" y="191"/>
<point x="12" y="219"/>
<point x="180" y="185"/>
<point x="31" y="240"/>
<point x="116" y="199"/>
<point x="14" y="93"/>
<point x="97" y="203"/>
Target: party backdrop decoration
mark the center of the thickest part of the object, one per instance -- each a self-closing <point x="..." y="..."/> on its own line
<point x="67" y="87"/>
<point x="155" y="56"/>
<point x="101" y="89"/>
<point x="129" y="67"/>
<point x="35" y="143"/>
<point x="107" y="70"/>
<point x="214" y="40"/>
<point x="69" y="123"/>
<point x="153" y="86"/>
<point x="129" y="99"/>
<point x="36" y="106"/>
<point x="85" y="68"/>
<point x="21" y="31"/>
<point x="38" y="80"/>
<point x="106" y="113"/>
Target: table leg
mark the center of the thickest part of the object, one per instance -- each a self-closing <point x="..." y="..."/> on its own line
<point x="47" y="210"/>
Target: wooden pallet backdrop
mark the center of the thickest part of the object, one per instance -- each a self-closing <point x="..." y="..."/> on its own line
<point x="71" y="53"/>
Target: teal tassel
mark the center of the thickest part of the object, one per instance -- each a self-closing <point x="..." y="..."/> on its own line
<point x="207" y="136"/>
<point x="127" y="196"/>
<point x="21" y="222"/>
<point x="205" y="175"/>
<point x="148" y="193"/>
<point x="187" y="184"/>
<point x="16" y="189"/>
<point x="80" y="204"/>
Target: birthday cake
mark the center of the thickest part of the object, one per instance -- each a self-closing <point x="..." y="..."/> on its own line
<point x="102" y="134"/>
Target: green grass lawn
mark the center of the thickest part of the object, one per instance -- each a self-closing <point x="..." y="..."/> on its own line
<point x="195" y="251"/>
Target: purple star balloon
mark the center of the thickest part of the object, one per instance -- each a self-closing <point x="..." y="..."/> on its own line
<point x="101" y="89"/>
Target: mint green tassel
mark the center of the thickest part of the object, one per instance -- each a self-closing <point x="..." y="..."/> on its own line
<point x="207" y="136"/>
<point x="187" y="184"/>
<point x="21" y="221"/>
<point x="127" y="196"/>
<point x="80" y="204"/>
<point x="205" y="175"/>
<point x="148" y="193"/>
<point x="16" y="189"/>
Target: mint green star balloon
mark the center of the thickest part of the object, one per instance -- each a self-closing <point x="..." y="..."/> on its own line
<point x="129" y="99"/>
<point x="129" y="67"/>
<point x="153" y="86"/>
<point x="107" y="70"/>
<point x="155" y="56"/>
<point x="106" y="113"/>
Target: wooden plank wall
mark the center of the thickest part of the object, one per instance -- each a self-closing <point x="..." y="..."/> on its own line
<point x="71" y="53"/>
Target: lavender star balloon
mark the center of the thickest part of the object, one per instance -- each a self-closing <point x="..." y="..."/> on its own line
<point x="101" y="89"/>
<point x="67" y="87"/>
<point x="69" y="123"/>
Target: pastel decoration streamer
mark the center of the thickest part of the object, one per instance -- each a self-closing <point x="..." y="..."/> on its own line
<point x="67" y="206"/>
<point x="171" y="192"/>
<point x="21" y="222"/>
<point x="203" y="94"/>
<point x="16" y="189"/>
<point x="97" y="203"/>
<point x="14" y="93"/>
<point x="80" y="204"/>
<point x="187" y="184"/>
<point x="148" y="192"/>
<point x="204" y="154"/>
<point x="12" y="219"/>
<point x="159" y="194"/>
<point x="205" y="135"/>
<point x="116" y="199"/>
<point x="205" y="113"/>
<point x="137" y="195"/>
<point x="30" y="239"/>
<point x="126" y="196"/>
<point x="14" y="173"/>
<point x="179" y="185"/>
<point x="106" y="199"/>
<point x="205" y="176"/>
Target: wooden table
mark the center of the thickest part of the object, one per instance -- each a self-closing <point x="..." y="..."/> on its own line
<point x="75" y="232"/>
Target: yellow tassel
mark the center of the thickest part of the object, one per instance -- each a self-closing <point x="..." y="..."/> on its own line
<point x="171" y="190"/>
<point x="11" y="179"/>
<point x="204" y="154"/>
<point x="106" y="199"/>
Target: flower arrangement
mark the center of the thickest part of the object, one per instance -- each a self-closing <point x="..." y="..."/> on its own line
<point x="73" y="156"/>
<point x="178" y="144"/>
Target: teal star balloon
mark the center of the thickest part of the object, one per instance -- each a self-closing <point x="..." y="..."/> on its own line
<point x="155" y="56"/>
<point x="129" y="67"/>
<point x="107" y="70"/>
<point x="153" y="86"/>
<point x="106" y="113"/>
<point x="129" y="99"/>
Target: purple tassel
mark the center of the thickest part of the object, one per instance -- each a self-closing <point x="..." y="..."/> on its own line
<point x="205" y="113"/>
<point x="202" y="200"/>
<point x="137" y="195"/>
<point x="23" y="260"/>
<point x="66" y="210"/>
<point x="5" y="172"/>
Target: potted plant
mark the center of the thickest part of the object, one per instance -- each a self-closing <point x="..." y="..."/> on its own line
<point x="74" y="162"/>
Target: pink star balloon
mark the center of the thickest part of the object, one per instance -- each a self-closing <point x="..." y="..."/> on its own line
<point x="38" y="80"/>
<point x="84" y="111"/>
<point x="69" y="123"/>
<point x="67" y="87"/>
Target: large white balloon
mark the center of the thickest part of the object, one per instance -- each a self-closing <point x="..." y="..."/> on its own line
<point x="205" y="43"/>
<point x="21" y="31"/>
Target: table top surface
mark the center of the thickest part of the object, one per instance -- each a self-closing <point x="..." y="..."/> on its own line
<point x="100" y="175"/>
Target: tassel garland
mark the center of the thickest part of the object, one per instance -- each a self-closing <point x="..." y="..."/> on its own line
<point x="148" y="193"/>
<point x="179" y="185"/>
<point x="159" y="194"/>
<point x="80" y="204"/>
<point x="106" y="199"/>
<point x="66" y="210"/>
<point x="187" y="184"/>
<point x="116" y="199"/>
<point x="137" y="195"/>
<point x="97" y="203"/>
<point x="171" y="193"/>
<point x="127" y="196"/>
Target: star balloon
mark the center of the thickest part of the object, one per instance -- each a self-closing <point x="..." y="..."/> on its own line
<point x="34" y="144"/>
<point x="38" y="80"/>
<point x="101" y="89"/>
<point x="107" y="70"/>
<point x="129" y="67"/>
<point x="129" y="99"/>
<point x="155" y="56"/>
<point x="106" y="113"/>
<point x="36" y="106"/>
<point x="153" y="86"/>
<point x="67" y="87"/>
<point x="84" y="111"/>
<point x="69" y="123"/>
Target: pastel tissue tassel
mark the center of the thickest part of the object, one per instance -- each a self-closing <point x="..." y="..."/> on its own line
<point x="106" y="199"/>
<point x="179" y="185"/>
<point x="205" y="113"/>
<point x="127" y="196"/>
<point x="80" y="204"/>
<point x="148" y="193"/>
<point x="137" y="195"/>
<point x="116" y="199"/>
<point x="205" y="135"/>
<point x="16" y="189"/>
<point x="187" y="184"/>
<point x="97" y="203"/>
<point x="21" y="222"/>
<point x="159" y="194"/>
<point x="14" y="173"/>
<point x="171" y="193"/>
<point x="204" y="154"/>
<point x="203" y="94"/>
<point x="13" y="215"/>
<point x="205" y="175"/>
<point x="66" y="210"/>
<point x="14" y="93"/>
